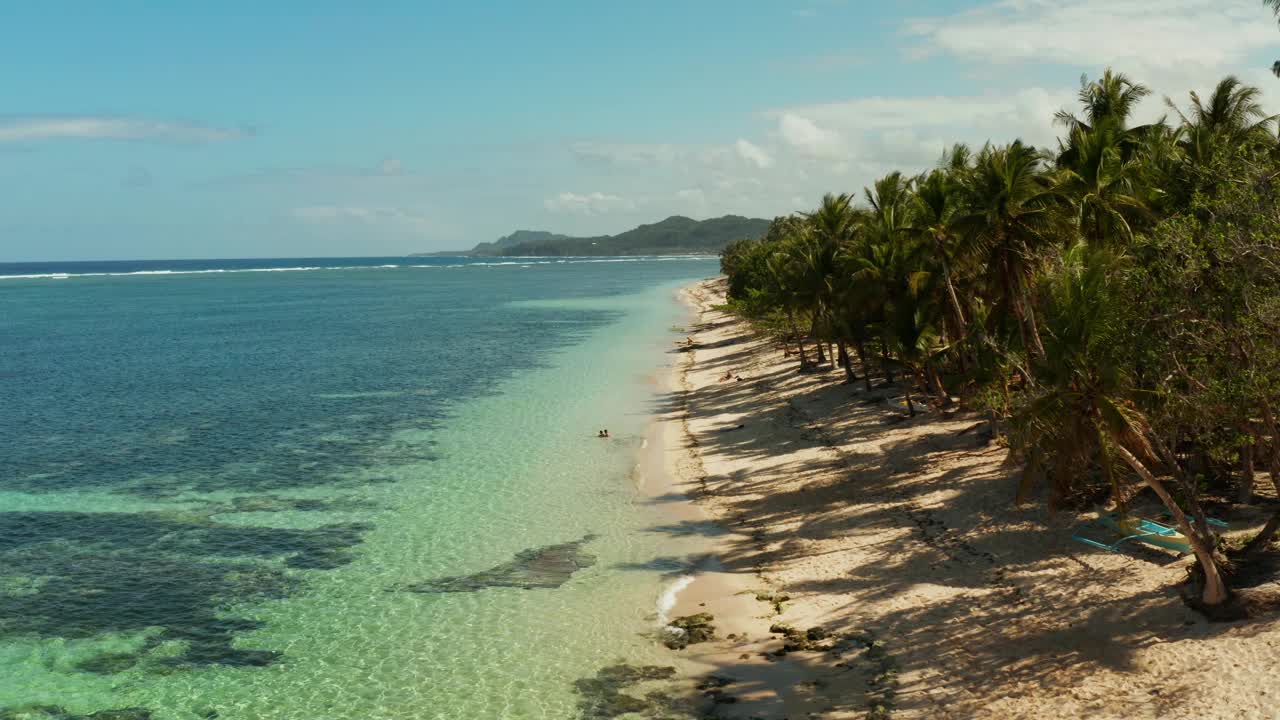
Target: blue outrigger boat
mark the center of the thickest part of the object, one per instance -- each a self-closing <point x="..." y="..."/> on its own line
<point x="1133" y="527"/>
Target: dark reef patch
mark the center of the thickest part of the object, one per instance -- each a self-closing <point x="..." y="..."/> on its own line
<point x="602" y="697"/>
<point x="77" y="575"/>
<point x="53" y="712"/>
<point x="546" y="567"/>
<point x="177" y="533"/>
<point x="277" y="503"/>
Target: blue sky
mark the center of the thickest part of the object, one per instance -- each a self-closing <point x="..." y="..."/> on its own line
<point x="250" y="129"/>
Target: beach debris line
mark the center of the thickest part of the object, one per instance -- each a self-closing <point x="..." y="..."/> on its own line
<point x="776" y="599"/>
<point x="546" y="567"/>
<point x="796" y="640"/>
<point x="853" y="651"/>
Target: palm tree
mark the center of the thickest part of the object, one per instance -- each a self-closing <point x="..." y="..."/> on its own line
<point x="1081" y="411"/>
<point x="1103" y="185"/>
<point x="857" y="303"/>
<point x="890" y="199"/>
<point x="1098" y="158"/>
<point x="790" y="279"/>
<point x="1013" y="211"/>
<point x="936" y="209"/>
<point x="892" y="278"/>
<point x="1162" y="163"/>
<point x="1231" y="116"/>
<point x="1108" y="101"/>
<point x="832" y="227"/>
<point x="886" y="230"/>
<point x="910" y="320"/>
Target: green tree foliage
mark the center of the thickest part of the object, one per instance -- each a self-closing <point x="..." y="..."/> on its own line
<point x="1114" y="304"/>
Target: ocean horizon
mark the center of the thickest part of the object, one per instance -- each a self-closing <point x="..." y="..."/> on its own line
<point x="41" y="270"/>
<point x="350" y="487"/>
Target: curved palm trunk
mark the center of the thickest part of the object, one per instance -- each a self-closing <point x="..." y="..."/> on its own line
<point x="860" y="346"/>
<point x="1019" y="303"/>
<point x="935" y="380"/>
<point x="956" y="309"/>
<point x="791" y="320"/>
<point x="846" y="363"/>
<point x="1029" y="316"/>
<point x="884" y="361"/>
<point x="1214" y="591"/>
<point x="813" y="332"/>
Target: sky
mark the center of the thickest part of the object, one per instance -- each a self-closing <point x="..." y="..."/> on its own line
<point x="135" y="130"/>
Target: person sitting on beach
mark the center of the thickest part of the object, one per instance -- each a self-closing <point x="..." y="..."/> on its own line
<point x="728" y="375"/>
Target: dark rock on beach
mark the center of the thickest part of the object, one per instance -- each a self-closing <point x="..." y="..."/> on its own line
<point x="689" y="630"/>
<point x="796" y="640"/>
<point x="546" y="567"/>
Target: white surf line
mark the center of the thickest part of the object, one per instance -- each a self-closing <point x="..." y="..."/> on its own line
<point x="670" y="594"/>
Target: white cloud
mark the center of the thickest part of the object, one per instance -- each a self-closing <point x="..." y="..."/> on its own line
<point x="915" y="130"/>
<point x="1136" y="35"/>
<point x="594" y="203"/>
<point x="806" y="136"/>
<point x="1018" y="62"/>
<point x="693" y="200"/>
<point x="631" y="154"/>
<point x="31" y="128"/>
<point x="403" y="218"/>
<point x="753" y="153"/>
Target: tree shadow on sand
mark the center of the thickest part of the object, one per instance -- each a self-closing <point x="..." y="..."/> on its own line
<point x="990" y="600"/>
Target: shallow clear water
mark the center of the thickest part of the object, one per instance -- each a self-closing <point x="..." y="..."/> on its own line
<point x="228" y="494"/>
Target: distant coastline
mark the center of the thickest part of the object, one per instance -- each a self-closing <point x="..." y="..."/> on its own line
<point x="676" y="235"/>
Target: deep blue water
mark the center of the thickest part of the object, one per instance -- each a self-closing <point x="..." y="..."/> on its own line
<point x="113" y="380"/>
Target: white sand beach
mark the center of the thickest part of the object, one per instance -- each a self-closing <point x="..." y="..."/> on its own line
<point x="899" y="536"/>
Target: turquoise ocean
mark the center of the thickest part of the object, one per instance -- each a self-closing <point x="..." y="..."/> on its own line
<point x="329" y="488"/>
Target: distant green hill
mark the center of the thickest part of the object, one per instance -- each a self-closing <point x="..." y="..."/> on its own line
<point x="674" y="236"/>
<point x="519" y="237"/>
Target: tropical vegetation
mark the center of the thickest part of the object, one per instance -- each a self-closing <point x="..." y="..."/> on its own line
<point x="1112" y="304"/>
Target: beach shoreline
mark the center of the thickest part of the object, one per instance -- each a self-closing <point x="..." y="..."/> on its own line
<point x="896" y="539"/>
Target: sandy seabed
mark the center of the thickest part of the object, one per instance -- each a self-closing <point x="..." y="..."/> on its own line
<point x="899" y="536"/>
